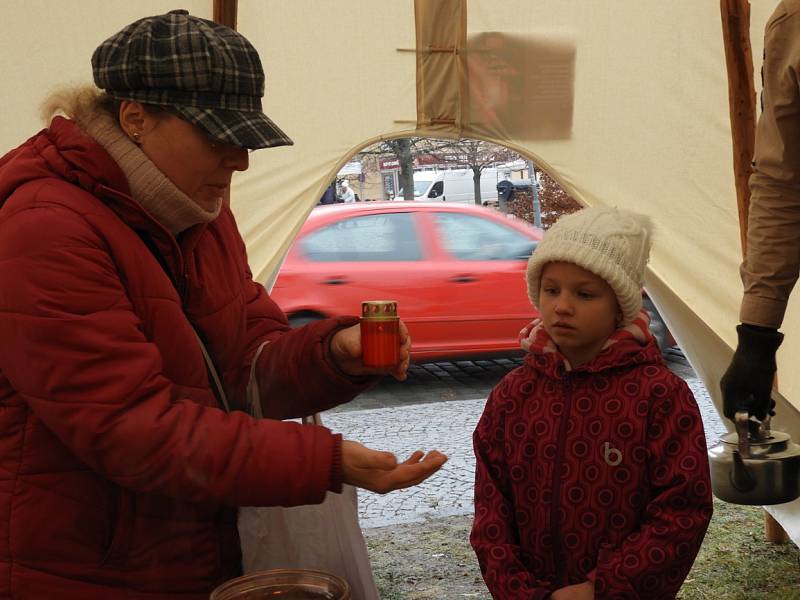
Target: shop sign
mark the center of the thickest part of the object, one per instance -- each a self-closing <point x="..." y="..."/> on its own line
<point x="389" y="164"/>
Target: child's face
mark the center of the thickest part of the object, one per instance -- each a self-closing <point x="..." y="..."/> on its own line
<point x="579" y="310"/>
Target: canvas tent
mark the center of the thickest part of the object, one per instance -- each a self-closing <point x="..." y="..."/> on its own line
<point x="624" y="103"/>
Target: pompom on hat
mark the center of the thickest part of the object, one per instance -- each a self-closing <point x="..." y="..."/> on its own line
<point x="611" y="243"/>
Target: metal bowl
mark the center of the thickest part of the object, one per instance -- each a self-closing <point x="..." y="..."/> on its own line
<point x="284" y="584"/>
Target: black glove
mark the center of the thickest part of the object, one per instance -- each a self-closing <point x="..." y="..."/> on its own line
<point x="747" y="383"/>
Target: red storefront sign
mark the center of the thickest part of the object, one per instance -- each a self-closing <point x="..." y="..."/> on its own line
<point x="389" y="164"/>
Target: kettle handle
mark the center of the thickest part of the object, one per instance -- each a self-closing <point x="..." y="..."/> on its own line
<point x="740" y="477"/>
<point x="741" y="419"/>
<point x="765" y="428"/>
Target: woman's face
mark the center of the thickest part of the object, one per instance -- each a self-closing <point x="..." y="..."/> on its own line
<point x="198" y="166"/>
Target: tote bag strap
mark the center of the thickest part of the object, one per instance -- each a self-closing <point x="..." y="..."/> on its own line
<point x="219" y="392"/>
<point x="314" y="419"/>
<point x="216" y="384"/>
<point x="213" y="376"/>
<point x="254" y="396"/>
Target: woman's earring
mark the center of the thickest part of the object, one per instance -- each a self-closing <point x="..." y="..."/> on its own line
<point x="137" y="137"/>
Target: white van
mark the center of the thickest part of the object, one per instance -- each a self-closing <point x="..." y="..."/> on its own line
<point x="455" y="185"/>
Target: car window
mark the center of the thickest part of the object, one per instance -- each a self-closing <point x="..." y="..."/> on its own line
<point x="437" y="189"/>
<point x="368" y="238"/>
<point x="420" y="186"/>
<point x="470" y="237"/>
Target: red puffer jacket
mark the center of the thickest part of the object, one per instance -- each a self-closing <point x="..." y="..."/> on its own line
<point x="118" y="472"/>
<point x="597" y="473"/>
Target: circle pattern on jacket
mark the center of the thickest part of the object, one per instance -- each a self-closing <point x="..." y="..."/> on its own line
<point x="583" y="456"/>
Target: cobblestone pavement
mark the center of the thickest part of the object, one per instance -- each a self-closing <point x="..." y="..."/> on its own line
<point x="422" y="419"/>
<point x="435" y="382"/>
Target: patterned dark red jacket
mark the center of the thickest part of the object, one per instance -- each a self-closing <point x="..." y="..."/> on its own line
<point x="594" y="473"/>
<point x="119" y="474"/>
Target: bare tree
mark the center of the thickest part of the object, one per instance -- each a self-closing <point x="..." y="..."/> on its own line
<point x="473" y="154"/>
<point x="404" y="150"/>
<point x="463" y="153"/>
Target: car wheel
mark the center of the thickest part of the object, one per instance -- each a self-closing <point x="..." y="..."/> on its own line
<point x="300" y="319"/>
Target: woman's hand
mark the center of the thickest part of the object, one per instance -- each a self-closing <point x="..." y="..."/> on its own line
<point x="346" y="352"/>
<point x="380" y="472"/>
<point x="579" y="591"/>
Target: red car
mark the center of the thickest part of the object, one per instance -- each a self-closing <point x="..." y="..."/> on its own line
<point x="457" y="272"/>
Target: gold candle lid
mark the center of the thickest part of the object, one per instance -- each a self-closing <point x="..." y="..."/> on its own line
<point x="379" y="309"/>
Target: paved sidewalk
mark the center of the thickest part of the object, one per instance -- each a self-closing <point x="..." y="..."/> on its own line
<point x="435" y="382"/>
<point x="444" y="426"/>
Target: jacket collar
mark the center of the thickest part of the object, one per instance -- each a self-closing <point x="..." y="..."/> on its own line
<point x="630" y="345"/>
<point x="63" y="151"/>
<point x="66" y="152"/>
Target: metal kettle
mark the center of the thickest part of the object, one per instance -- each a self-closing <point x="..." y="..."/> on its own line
<point x="754" y="465"/>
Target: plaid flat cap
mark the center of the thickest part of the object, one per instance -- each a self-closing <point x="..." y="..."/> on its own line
<point x="208" y="73"/>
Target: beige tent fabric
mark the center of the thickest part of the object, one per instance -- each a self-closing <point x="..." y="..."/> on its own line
<point x="441" y="27"/>
<point x="46" y="44"/>
<point x="625" y="103"/>
<point x="647" y="128"/>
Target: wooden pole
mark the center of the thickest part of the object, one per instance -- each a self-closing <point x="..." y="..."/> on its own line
<point x="226" y="12"/>
<point x="773" y="531"/>
<point x="742" y="100"/>
<point x="742" y="105"/>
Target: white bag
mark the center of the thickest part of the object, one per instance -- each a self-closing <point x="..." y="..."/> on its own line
<point x="324" y="536"/>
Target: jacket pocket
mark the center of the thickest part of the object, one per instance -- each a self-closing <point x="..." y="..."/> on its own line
<point x="119" y="542"/>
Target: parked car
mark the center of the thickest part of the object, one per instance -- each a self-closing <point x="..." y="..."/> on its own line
<point x="457" y="272"/>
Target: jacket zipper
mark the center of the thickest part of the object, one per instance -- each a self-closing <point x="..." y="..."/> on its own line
<point x="556" y="487"/>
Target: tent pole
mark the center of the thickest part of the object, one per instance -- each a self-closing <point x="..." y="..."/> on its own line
<point x="226" y="12"/>
<point x="742" y="105"/>
<point x="742" y="100"/>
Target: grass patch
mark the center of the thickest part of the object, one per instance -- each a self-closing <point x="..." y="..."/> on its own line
<point x="434" y="561"/>
<point x="735" y="563"/>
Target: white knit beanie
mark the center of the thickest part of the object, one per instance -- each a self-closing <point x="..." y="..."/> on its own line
<point x="611" y="243"/>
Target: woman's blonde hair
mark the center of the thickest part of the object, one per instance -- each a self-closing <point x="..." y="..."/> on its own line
<point x="77" y="102"/>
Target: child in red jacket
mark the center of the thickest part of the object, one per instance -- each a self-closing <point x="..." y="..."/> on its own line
<point x="591" y="477"/>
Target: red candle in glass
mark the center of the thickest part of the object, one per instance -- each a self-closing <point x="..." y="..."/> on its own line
<point x="380" y="333"/>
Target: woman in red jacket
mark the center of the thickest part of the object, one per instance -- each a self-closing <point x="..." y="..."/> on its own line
<point x="119" y="472"/>
<point x="591" y="478"/>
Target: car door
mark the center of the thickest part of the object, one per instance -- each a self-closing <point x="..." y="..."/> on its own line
<point x="482" y="263"/>
<point x="374" y="256"/>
